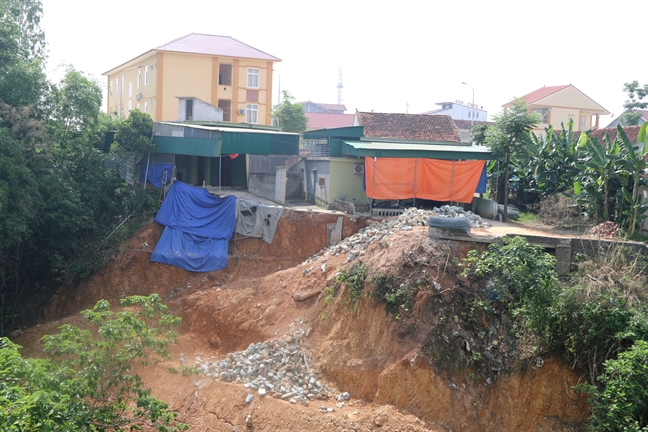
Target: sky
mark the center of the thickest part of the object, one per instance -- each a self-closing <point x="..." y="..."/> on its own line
<point x="395" y="55"/>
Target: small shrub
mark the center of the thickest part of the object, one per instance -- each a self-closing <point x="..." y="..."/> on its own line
<point x="354" y="278"/>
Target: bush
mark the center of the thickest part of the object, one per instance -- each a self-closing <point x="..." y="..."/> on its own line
<point x="520" y="275"/>
<point x="86" y="383"/>
<point x="622" y="403"/>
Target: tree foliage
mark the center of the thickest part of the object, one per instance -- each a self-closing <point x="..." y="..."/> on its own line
<point x="636" y="96"/>
<point x="289" y="116"/>
<point x="134" y="135"/>
<point x="510" y="139"/>
<point x="86" y="382"/>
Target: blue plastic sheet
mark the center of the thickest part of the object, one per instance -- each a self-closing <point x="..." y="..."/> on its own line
<point x="193" y="210"/>
<point x="156" y="172"/>
<point x="481" y="186"/>
<point x="190" y="252"/>
<point x="198" y="228"/>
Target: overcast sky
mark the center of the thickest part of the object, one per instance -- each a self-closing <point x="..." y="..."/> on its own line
<point x="391" y="52"/>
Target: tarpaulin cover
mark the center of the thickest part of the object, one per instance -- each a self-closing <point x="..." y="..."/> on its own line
<point x="193" y="210"/>
<point x="256" y="219"/>
<point x="156" y="172"/>
<point x="431" y="179"/>
<point x="198" y="228"/>
<point x="481" y="186"/>
<point x="190" y="252"/>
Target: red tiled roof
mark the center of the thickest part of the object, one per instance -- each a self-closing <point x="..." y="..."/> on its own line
<point x="196" y="43"/>
<point x="631" y="131"/>
<point x="408" y="126"/>
<point x="328" y="120"/>
<point x="539" y="94"/>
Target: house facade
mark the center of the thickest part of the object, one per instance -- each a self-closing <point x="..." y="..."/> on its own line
<point x="460" y="110"/>
<point x="219" y="70"/>
<point x="558" y="105"/>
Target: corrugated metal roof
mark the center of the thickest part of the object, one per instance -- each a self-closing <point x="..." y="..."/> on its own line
<point x="196" y="43"/>
<point x="449" y="150"/>
<point x="230" y="129"/>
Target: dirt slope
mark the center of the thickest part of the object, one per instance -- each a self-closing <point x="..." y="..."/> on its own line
<point x="392" y="385"/>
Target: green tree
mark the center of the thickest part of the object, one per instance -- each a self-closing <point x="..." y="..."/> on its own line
<point x="22" y="52"/>
<point x="510" y="139"/>
<point x="87" y="383"/>
<point x="289" y="116"/>
<point x="73" y="107"/>
<point x="134" y="135"/>
<point x="636" y="96"/>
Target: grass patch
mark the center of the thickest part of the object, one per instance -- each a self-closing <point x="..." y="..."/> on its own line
<point x="526" y="217"/>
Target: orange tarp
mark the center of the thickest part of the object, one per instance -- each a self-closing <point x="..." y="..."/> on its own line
<point x="431" y="179"/>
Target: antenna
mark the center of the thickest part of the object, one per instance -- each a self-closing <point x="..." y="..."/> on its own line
<point x="339" y="87"/>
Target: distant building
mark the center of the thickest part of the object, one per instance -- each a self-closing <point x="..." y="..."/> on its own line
<point x="326" y="116"/>
<point x="559" y="104"/>
<point x="642" y="120"/>
<point x="310" y="106"/>
<point x="219" y="70"/>
<point x="459" y="110"/>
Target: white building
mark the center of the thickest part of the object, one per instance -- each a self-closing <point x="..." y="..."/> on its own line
<point x="460" y="110"/>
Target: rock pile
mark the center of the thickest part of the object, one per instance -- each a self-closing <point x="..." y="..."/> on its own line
<point x="276" y="368"/>
<point x="356" y="245"/>
<point x="606" y="229"/>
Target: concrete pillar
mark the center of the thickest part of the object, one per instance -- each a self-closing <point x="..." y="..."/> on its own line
<point x="280" y="185"/>
<point x="563" y="257"/>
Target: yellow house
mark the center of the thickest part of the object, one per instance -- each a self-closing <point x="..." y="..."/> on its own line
<point x="559" y="104"/>
<point x="219" y="70"/>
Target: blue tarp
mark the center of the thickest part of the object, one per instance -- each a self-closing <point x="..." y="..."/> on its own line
<point x="156" y="172"/>
<point x="190" y="252"/>
<point x="194" y="210"/>
<point x="198" y="228"/>
<point x="481" y="186"/>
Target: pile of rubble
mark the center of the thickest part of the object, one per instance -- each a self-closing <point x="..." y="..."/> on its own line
<point x="356" y="245"/>
<point x="606" y="229"/>
<point x="277" y="368"/>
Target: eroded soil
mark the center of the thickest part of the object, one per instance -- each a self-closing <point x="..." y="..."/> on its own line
<point x="393" y="386"/>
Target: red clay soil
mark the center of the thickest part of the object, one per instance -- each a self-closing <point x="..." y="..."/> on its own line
<point x="393" y="387"/>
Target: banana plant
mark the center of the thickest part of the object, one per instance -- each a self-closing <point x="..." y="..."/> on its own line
<point x="635" y="165"/>
<point x="603" y="163"/>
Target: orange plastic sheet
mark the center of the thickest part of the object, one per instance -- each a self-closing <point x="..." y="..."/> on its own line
<point x="431" y="179"/>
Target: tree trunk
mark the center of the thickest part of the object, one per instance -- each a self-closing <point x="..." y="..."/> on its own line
<point x="506" y="170"/>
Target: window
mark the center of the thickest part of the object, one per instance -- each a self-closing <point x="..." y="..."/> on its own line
<point x="146" y="75"/>
<point x="583" y="122"/>
<point x="226" y="106"/>
<point x="122" y="84"/>
<point x="225" y="74"/>
<point x="130" y="106"/>
<point x="252" y="115"/>
<point x="570" y="117"/>
<point x="111" y="88"/>
<point x="139" y="77"/>
<point x="130" y="89"/>
<point x="145" y="107"/>
<point x="253" y="78"/>
<point x="137" y="107"/>
<point x="477" y="114"/>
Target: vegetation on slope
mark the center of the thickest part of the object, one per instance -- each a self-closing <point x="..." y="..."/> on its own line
<point x="506" y="310"/>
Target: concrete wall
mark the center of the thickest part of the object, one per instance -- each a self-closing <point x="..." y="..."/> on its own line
<point x="262" y="185"/>
<point x="322" y="194"/>
<point x="202" y="111"/>
<point x="345" y="182"/>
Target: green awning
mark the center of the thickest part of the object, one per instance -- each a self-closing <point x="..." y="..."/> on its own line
<point x="384" y="149"/>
